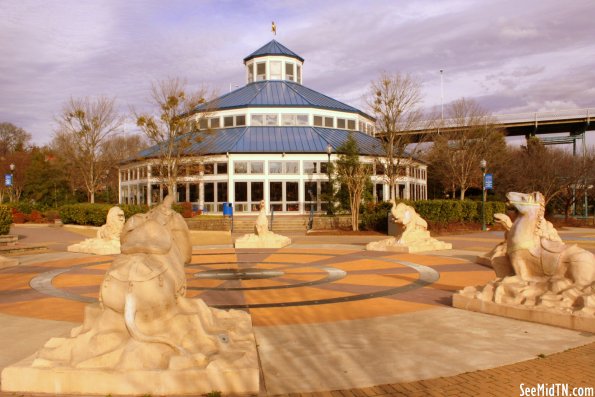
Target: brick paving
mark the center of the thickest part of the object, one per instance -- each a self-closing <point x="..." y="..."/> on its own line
<point x="574" y="367"/>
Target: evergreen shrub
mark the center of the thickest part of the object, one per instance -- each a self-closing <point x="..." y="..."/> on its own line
<point x="5" y="219"/>
<point x="436" y="212"/>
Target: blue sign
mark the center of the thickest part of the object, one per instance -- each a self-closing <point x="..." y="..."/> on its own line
<point x="8" y="180"/>
<point x="488" y="181"/>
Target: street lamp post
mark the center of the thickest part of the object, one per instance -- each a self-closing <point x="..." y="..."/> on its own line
<point x="329" y="150"/>
<point x="483" y="165"/>
<point x="12" y="167"/>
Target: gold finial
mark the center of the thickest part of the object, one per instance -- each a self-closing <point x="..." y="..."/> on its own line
<point x="274" y="28"/>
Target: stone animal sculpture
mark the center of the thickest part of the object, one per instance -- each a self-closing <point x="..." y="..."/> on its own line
<point x="143" y="319"/>
<point x="107" y="241"/>
<point x="413" y="224"/>
<point x="535" y="250"/>
<point x="262" y="236"/>
<point x="411" y="235"/>
<point x="543" y="271"/>
<point x="261" y="227"/>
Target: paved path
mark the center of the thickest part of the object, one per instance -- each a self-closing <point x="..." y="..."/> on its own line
<point x="327" y="316"/>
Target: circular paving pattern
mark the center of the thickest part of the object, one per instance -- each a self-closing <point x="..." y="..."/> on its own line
<point x="277" y="286"/>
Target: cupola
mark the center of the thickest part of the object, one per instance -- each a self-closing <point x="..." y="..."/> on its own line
<point x="273" y="61"/>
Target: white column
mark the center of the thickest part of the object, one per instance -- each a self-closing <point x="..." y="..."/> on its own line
<point x="201" y="190"/>
<point x="119" y="186"/>
<point x="149" y="175"/>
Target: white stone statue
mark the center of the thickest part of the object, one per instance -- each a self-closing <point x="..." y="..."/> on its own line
<point x="144" y="336"/>
<point x="412" y="233"/>
<point x="262" y="236"/>
<point x="544" y="273"/>
<point x="107" y="241"/>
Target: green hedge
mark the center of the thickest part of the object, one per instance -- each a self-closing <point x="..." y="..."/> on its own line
<point x="94" y="214"/>
<point x="5" y="219"/>
<point x="440" y="212"/>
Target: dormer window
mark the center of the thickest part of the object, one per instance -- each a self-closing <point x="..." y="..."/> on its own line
<point x="299" y="74"/>
<point x="261" y="71"/>
<point x="275" y="70"/>
<point x="289" y="71"/>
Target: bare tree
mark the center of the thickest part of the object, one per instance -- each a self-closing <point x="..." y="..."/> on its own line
<point x="13" y="139"/>
<point x="394" y="100"/>
<point x="83" y="127"/>
<point x="554" y="172"/>
<point x="467" y="137"/>
<point x="354" y="174"/>
<point x="169" y="128"/>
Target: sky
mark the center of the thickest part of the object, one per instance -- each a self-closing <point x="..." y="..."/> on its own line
<point x="510" y="56"/>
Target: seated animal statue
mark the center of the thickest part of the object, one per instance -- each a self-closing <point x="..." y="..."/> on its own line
<point x="107" y="241"/>
<point x="412" y="233"/>
<point x="261" y="227"/>
<point x="143" y="319"/>
<point x="535" y="250"/>
<point x="413" y="226"/>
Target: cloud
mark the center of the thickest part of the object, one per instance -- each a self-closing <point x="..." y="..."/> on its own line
<point x="508" y="54"/>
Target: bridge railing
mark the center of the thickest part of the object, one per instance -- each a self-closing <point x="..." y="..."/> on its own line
<point x="533" y="117"/>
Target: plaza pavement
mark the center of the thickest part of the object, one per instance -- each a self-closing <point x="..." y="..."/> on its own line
<point x="330" y="319"/>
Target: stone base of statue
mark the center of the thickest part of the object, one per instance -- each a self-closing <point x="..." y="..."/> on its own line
<point x="96" y="246"/>
<point x="225" y="361"/>
<point x="570" y="307"/>
<point x="265" y="240"/>
<point x="145" y="336"/>
<point x="418" y="245"/>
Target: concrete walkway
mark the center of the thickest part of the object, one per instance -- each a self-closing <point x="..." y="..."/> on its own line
<point x="330" y="316"/>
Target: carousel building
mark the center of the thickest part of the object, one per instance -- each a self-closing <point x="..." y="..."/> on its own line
<point x="270" y="140"/>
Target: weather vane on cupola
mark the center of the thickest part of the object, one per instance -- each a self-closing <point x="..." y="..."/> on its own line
<point x="274" y="28"/>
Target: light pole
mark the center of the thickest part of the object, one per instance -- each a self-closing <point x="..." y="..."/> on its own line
<point x="441" y="96"/>
<point x="329" y="150"/>
<point x="12" y="167"/>
<point x="483" y="165"/>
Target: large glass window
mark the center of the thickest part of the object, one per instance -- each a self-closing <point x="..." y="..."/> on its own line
<point x="209" y="168"/>
<point x="221" y="168"/>
<point x="241" y="191"/>
<point x="221" y="192"/>
<point x="257" y="119"/>
<point x="351" y="124"/>
<point x="209" y="192"/>
<point x="272" y="119"/>
<point x="341" y="123"/>
<point x="228" y="121"/>
<point x="240" y="167"/>
<point x="256" y="192"/>
<point x="276" y="191"/>
<point x="289" y="73"/>
<point x="292" y="167"/>
<point x="310" y="167"/>
<point x="261" y="71"/>
<point x="275" y="70"/>
<point x="318" y="121"/>
<point x="257" y="167"/>
<point x="215" y="123"/>
<point x="328" y="122"/>
<point x="240" y="120"/>
<point x="292" y="196"/>
<point x="275" y="167"/>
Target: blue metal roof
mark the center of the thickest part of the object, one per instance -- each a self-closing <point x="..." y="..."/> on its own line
<point x="273" y="47"/>
<point x="271" y="140"/>
<point x="276" y="93"/>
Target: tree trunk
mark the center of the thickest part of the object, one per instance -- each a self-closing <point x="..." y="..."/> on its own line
<point x="462" y="197"/>
<point x="92" y="197"/>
